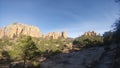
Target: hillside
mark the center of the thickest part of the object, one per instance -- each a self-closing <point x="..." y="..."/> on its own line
<point x="24" y="46"/>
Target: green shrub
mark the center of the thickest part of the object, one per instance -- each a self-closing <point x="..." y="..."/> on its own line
<point x="88" y="41"/>
<point x="108" y="38"/>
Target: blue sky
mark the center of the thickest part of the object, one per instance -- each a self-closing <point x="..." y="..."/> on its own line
<point x="73" y="16"/>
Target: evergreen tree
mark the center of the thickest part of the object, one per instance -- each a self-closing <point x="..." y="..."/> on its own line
<point x="28" y="49"/>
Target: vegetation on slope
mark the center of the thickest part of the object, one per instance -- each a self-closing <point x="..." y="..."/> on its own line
<point x="88" y="41"/>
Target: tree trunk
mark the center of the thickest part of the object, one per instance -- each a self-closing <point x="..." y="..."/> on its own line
<point x="24" y="62"/>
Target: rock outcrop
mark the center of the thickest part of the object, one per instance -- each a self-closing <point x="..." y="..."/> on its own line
<point x="55" y="35"/>
<point x="85" y="58"/>
<point x="92" y="33"/>
<point x="2" y="33"/>
<point x="64" y="34"/>
<point x="18" y="29"/>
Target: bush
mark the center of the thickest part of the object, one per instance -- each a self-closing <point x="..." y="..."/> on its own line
<point x="116" y="34"/>
<point x="88" y="41"/>
<point x="51" y="44"/>
<point x="108" y="38"/>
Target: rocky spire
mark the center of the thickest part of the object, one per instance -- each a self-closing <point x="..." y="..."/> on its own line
<point x="90" y="33"/>
<point x="55" y="35"/>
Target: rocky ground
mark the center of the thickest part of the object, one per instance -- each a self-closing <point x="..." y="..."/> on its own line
<point x="83" y="59"/>
<point x="4" y="64"/>
<point x="108" y="58"/>
<point x="95" y="57"/>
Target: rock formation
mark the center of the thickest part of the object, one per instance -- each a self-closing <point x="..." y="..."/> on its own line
<point x="55" y="35"/>
<point x="92" y="33"/>
<point x="64" y="34"/>
<point x="2" y="32"/>
<point x="17" y="29"/>
<point x="85" y="58"/>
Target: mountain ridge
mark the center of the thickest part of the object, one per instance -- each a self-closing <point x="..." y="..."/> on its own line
<point x="17" y="29"/>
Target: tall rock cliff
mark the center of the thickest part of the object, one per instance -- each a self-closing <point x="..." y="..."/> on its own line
<point x="17" y="29"/>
